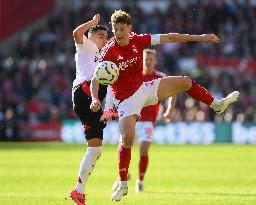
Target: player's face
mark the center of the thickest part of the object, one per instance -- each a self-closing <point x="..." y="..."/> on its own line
<point x="149" y="62"/>
<point x="100" y="38"/>
<point x="121" y="32"/>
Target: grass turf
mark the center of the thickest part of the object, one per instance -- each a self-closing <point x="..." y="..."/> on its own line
<point x="43" y="173"/>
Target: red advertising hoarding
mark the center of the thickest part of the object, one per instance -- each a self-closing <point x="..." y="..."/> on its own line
<point x="16" y="14"/>
<point x="40" y="132"/>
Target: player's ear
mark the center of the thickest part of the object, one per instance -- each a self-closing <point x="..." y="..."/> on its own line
<point x="130" y="28"/>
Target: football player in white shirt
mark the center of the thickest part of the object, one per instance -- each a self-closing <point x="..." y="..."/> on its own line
<point x="86" y="57"/>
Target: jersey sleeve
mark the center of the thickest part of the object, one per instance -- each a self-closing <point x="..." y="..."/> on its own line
<point x="160" y="74"/>
<point x="104" y="54"/>
<point x="155" y="39"/>
<point x="144" y="40"/>
<point x="148" y="39"/>
<point x="82" y="47"/>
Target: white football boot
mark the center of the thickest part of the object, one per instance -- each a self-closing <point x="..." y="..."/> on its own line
<point x="219" y="106"/>
<point x="120" y="191"/>
<point x="115" y="185"/>
<point x="138" y="186"/>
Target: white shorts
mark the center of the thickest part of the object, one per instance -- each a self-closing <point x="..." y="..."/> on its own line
<point x="144" y="131"/>
<point x="146" y="95"/>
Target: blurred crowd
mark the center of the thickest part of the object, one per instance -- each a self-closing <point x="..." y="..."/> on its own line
<point x="37" y="72"/>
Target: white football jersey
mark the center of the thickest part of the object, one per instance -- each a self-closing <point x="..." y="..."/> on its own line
<point x="86" y="57"/>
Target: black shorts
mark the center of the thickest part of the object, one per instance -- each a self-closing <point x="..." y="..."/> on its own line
<point x="93" y="127"/>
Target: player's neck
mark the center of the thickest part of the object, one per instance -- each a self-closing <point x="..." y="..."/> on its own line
<point x="123" y="43"/>
<point x="148" y="72"/>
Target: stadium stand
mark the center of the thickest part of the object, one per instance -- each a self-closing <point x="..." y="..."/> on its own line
<point x="36" y="73"/>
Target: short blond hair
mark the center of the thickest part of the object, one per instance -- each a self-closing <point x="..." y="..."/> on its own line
<point x="120" y="16"/>
<point x="149" y="51"/>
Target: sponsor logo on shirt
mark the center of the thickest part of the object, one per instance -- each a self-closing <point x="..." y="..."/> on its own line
<point x="129" y="62"/>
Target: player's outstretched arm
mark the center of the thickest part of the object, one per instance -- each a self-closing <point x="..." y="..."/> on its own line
<point x="94" y="87"/>
<point x="182" y="38"/>
<point x="109" y="101"/>
<point x="80" y="30"/>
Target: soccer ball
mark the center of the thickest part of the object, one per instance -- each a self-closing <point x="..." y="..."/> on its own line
<point x="106" y="72"/>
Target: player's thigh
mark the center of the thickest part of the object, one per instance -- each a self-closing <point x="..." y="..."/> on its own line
<point x="93" y="127"/>
<point x="87" y="116"/>
<point x="172" y="85"/>
<point x="91" y="121"/>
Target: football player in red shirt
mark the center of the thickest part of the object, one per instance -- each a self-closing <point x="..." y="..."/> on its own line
<point x="145" y="126"/>
<point x="131" y="94"/>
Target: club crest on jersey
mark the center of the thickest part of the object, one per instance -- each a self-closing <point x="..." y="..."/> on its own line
<point x="135" y="50"/>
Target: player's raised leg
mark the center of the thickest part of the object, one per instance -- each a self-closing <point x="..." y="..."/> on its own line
<point x="173" y="85"/>
<point x="127" y="127"/>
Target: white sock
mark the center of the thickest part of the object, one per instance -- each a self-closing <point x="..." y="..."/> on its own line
<point x="138" y="181"/>
<point x="215" y="104"/>
<point x="86" y="167"/>
<point x="123" y="183"/>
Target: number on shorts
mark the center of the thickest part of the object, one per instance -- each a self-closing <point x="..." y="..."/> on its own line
<point x="149" y="83"/>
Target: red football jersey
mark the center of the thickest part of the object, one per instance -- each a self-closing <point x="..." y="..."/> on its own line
<point x="150" y="113"/>
<point x="129" y="61"/>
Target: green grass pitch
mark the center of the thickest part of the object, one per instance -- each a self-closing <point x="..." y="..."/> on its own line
<point x="43" y="174"/>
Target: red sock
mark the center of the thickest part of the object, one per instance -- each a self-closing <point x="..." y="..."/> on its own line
<point x="143" y="167"/>
<point x="124" y="158"/>
<point x="200" y="93"/>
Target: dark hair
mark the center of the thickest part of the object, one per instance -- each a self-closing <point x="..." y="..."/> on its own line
<point x="96" y="28"/>
<point x="122" y="17"/>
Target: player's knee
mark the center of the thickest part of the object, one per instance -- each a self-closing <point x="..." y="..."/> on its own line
<point x="186" y="82"/>
<point x="127" y="140"/>
<point x="143" y="152"/>
<point x="127" y="143"/>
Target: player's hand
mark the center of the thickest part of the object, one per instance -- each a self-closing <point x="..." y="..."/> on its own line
<point x="210" y="38"/>
<point x="109" y="115"/>
<point x="167" y="117"/>
<point x="95" y="105"/>
<point x="96" y="19"/>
